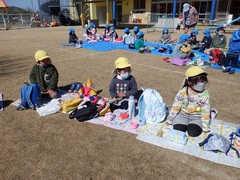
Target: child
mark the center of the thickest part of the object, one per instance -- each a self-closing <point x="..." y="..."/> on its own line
<point x="106" y="31"/>
<point x="73" y="39"/>
<point x="112" y="34"/>
<point x="122" y="85"/>
<point x="193" y="37"/>
<point x="182" y="49"/>
<point x="44" y="74"/>
<point x="92" y="33"/>
<point x="206" y="41"/>
<point x="139" y="43"/>
<point x="219" y="40"/>
<point x="135" y="31"/>
<point x="127" y="37"/>
<point x="232" y="53"/>
<point x="191" y="108"/>
<point x="166" y="37"/>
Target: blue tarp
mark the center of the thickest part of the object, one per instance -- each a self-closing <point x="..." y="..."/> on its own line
<point x="108" y="46"/>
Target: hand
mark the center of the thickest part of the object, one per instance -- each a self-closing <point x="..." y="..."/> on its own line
<point x="168" y="122"/>
<point x="52" y="94"/>
<point x="121" y="95"/>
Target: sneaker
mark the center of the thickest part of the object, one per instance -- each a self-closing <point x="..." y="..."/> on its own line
<point x="226" y="70"/>
<point x="231" y="71"/>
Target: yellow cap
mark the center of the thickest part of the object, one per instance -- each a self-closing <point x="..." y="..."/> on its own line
<point x="40" y="55"/>
<point x="121" y="63"/>
<point x="194" y="71"/>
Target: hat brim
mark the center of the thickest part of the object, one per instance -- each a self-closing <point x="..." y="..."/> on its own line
<point x="122" y="67"/>
<point x="44" y="57"/>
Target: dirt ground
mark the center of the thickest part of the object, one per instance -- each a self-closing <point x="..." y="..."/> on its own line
<point x="55" y="147"/>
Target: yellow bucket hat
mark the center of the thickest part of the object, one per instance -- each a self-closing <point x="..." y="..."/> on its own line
<point x="194" y="71"/>
<point x="121" y="63"/>
<point x="40" y="55"/>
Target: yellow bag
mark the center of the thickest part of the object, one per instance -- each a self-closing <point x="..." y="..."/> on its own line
<point x="185" y="49"/>
<point x="71" y="104"/>
<point x="105" y="110"/>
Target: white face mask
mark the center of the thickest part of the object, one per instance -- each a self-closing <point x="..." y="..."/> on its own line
<point x="200" y="86"/>
<point x="125" y="76"/>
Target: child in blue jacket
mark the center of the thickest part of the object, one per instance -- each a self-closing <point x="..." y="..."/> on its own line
<point x="232" y="54"/>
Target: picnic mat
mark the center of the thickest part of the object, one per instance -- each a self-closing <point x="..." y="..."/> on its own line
<point x="108" y="46"/>
<point x="150" y="134"/>
<point x="124" y="127"/>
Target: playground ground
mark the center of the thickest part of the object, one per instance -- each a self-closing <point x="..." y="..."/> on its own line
<point x="55" y="147"/>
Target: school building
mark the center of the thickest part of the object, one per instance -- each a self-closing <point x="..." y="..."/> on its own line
<point x="145" y="11"/>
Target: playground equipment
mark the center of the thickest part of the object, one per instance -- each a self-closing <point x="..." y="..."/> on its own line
<point x="233" y="21"/>
<point x="5" y="16"/>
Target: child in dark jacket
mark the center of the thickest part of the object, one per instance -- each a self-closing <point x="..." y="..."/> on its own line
<point x="73" y="39"/>
<point x="232" y="54"/>
<point x="206" y="41"/>
<point x="122" y="85"/>
<point x="44" y="74"/>
<point x="193" y="37"/>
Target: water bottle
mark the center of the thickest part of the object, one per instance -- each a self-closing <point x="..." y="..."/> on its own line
<point x="131" y="107"/>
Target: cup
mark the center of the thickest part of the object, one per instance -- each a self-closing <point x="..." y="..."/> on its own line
<point x="134" y="125"/>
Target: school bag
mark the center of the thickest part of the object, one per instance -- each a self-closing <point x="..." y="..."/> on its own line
<point x="217" y="56"/>
<point x="234" y="148"/>
<point x="151" y="108"/>
<point x="87" y="112"/>
<point x="30" y="94"/>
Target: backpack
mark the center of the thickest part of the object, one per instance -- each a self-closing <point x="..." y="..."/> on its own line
<point x="151" y="107"/>
<point x="87" y="112"/>
<point x="217" y="56"/>
<point x="234" y="149"/>
<point x="30" y="94"/>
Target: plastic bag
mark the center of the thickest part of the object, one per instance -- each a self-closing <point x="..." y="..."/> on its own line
<point x="50" y="108"/>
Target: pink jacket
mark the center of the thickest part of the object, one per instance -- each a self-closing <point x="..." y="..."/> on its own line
<point x="193" y="14"/>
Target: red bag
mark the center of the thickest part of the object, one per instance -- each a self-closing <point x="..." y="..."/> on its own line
<point x="217" y="56"/>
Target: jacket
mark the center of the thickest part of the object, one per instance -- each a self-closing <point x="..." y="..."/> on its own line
<point x="139" y="43"/>
<point x="127" y="86"/>
<point x="193" y="15"/>
<point x="45" y="78"/>
<point x="219" y="41"/>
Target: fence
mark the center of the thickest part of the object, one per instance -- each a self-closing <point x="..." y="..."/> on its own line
<point x="17" y="20"/>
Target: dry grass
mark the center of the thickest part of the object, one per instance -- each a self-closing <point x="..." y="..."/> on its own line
<point x="55" y="147"/>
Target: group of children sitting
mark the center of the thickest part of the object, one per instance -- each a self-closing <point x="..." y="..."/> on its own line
<point x="194" y="118"/>
<point x="213" y="46"/>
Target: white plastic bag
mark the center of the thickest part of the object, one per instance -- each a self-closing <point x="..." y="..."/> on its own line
<point x="50" y="108"/>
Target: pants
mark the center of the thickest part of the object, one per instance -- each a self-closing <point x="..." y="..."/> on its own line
<point x="185" y="122"/>
<point x="233" y="58"/>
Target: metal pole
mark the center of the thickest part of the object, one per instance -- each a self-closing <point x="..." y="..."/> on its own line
<point x="114" y="12"/>
<point x="82" y="16"/>
<point x="174" y="8"/>
<point x="212" y="15"/>
<point x="108" y="15"/>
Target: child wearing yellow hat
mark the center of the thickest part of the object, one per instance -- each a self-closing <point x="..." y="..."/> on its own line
<point x="123" y="84"/>
<point x="44" y="74"/>
<point x="191" y="108"/>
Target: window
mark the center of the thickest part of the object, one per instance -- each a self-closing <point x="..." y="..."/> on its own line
<point x="139" y="6"/>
